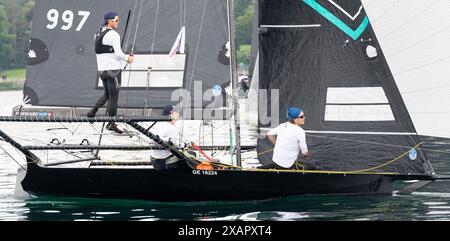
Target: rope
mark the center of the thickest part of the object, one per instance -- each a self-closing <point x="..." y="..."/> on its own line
<point x="389" y="162"/>
<point x="300" y="168"/>
<point x="364" y="170"/>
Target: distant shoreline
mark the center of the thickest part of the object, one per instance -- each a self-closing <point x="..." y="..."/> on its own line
<point x="11" y="85"/>
<point x="12" y="79"/>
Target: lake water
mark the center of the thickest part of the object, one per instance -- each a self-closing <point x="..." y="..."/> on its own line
<point x="431" y="203"/>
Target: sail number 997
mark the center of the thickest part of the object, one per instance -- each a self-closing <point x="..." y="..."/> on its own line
<point x="67" y="18"/>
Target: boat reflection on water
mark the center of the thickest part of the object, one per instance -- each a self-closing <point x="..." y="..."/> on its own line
<point x="289" y="209"/>
<point x="299" y="208"/>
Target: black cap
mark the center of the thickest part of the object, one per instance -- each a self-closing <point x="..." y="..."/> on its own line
<point x="110" y="15"/>
<point x="167" y="109"/>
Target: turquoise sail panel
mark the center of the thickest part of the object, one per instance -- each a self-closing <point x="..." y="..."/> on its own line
<point x="354" y="34"/>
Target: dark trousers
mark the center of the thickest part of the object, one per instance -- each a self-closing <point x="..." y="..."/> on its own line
<point x="272" y="165"/>
<point x="112" y="80"/>
<point x="298" y="165"/>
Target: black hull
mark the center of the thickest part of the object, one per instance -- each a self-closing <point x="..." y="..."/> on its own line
<point x="186" y="185"/>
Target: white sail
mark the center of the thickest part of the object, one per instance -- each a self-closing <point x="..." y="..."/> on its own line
<point x="414" y="36"/>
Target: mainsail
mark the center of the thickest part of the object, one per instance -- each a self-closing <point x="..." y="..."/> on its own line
<point x="62" y="71"/>
<point x="323" y="56"/>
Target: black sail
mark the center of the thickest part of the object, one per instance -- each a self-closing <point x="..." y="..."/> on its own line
<point x="324" y="57"/>
<point x="62" y="68"/>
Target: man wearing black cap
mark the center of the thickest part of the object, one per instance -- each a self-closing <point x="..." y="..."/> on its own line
<point x="110" y="62"/>
<point x="167" y="131"/>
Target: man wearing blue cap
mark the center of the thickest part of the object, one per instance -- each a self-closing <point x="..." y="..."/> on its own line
<point x="110" y="62"/>
<point x="289" y="139"/>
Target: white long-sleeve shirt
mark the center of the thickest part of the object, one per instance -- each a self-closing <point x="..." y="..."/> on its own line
<point x="167" y="132"/>
<point x="112" y="61"/>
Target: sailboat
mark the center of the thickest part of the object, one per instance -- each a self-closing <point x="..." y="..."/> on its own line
<point x="321" y="55"/>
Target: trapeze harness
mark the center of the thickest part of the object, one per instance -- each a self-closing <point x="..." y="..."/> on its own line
<point x="100" y="48"/>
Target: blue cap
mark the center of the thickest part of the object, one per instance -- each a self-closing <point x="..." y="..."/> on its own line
<point x="110" y="15"/>
<point x="167" y="109"/>
<point x="293" y="112"/>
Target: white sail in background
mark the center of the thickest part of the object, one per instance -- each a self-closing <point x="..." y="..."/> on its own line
<point x="179" y="44"/>
<point x="414" y="36"/>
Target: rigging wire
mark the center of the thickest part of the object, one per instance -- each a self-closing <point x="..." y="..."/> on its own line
<point x="126" y="49"/>
<point x="36" y="141"/>
<point x="195" y="60"/>
<point x="132" y="48"/>
<point x="137" y="27"/>
<point x="154" y="27"/>
<point x="132" y="20"/>
<point x="147" y="88"/>
<point x="181" y="13"/>
<point x="184" y="12"/>
<point x="14" y="159"/>
<point x="182" y="22"/>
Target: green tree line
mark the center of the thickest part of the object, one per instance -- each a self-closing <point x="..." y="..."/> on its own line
<point x="15" y="31"/>
<point x="244" y="11"/>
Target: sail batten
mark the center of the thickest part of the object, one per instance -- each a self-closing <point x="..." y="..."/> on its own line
<point x="292" y="26"/>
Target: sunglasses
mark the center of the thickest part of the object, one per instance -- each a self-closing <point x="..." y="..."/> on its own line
<point x="302" y="117"/>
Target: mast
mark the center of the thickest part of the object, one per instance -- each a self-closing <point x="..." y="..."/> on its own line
<point x="237" y="126"/>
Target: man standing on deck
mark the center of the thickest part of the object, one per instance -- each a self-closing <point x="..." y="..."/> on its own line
<point x="110" y="62"/>
<point x="289" y="139"/>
